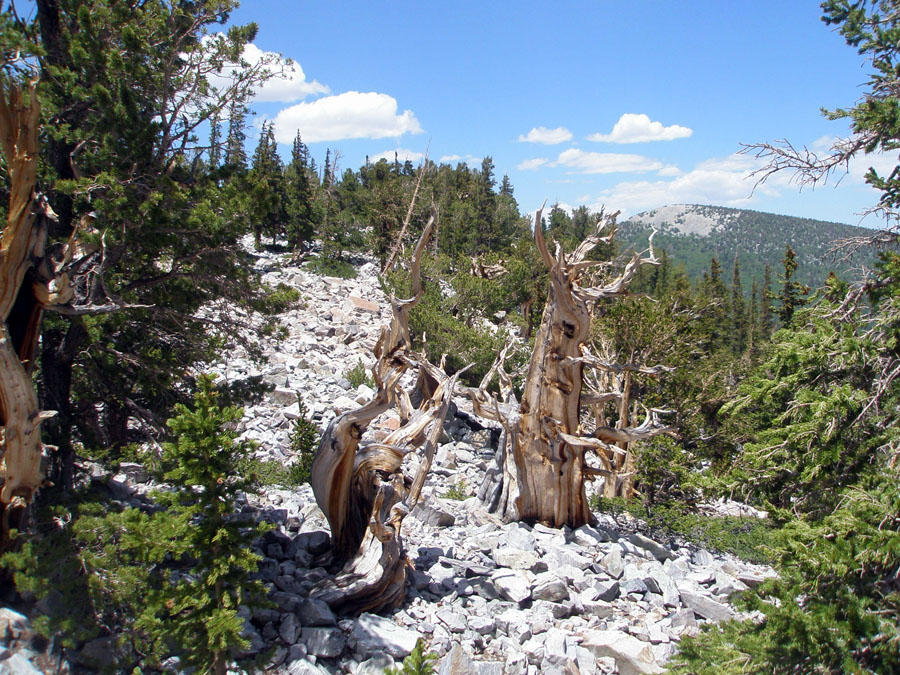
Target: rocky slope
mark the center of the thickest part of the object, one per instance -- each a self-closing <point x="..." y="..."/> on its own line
<point x="487" y="597"/>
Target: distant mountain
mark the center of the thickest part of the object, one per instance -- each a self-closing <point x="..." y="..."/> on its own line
<point x="693" y="234"/>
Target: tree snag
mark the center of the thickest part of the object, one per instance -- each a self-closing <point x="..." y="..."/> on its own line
<point x="21" y="294"/>
<point x="542" y="465"/>
<point x="360" y="485"/>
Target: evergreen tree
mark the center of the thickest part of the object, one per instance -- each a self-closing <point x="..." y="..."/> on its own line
<point x="716" y="313"/>
<point x="791" y="295"/>
<point x="267" y="187"/>
<point x="485" y="204"/>
<point x="215" y="143"/>
<point x="754" y="335"/>
<point x="164" y="234"/>
<point x="304" y="214"/>
<point x="199" y="611"/>
<point x="739" y="320"/>
<point x="235" y="154"/>
<point x="766" y="322"/>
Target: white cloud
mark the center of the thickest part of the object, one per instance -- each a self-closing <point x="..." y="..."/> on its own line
<point x="349" y="115"/>
<point x="601" y="162"/>
<point x="287" y="84"/>
<point x="468" y="159"/>
<point x="546" y="136"/>
<point x="532" y="164"/>
<point x="725" y="181"/>
<point x="638" y="128"/>
<point x="402" y="155"/>
<point x="667" y="171"/>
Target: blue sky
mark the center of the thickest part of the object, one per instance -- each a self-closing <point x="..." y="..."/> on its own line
<point x="629" y="104"/>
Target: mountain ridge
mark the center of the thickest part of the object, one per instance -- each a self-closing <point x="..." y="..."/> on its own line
<point x="692" y="234"/>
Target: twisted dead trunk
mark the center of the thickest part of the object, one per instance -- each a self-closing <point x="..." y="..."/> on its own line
<point x="360" y="485"/>
<point x="21" y="249"/>
<point x="542" y="462"/>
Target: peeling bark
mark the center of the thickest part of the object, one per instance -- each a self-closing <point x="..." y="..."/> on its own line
<point x="542" y="459"/>
<point x="360" y="486"/>
<point x="21" y="303"/>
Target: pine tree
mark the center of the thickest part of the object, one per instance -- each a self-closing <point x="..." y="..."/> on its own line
<point x="766" y="322"/>
<point x="485" y="202"/>
<point x="199" y="611"/>
<point x="792" y="293"/>
<point x="738" y="312"/>
<point x="267" y="187"/>
<point x="215" y="143"/>
<point x="303" y="212"/>
<point x="754" y="336"/>
<point x="235" y="154"/>
<point x="716" y="314"/>
<point x="112" y="75"/>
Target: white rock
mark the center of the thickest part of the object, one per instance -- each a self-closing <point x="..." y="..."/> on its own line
<point x="513" y="585"/>
<point x="514" y="558"/>
<point x="632" y="656"/>
<point x="373" y="634"/>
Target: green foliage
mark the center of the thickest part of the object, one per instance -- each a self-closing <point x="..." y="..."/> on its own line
<point x="417" y="663"/>
<point x="358" y="375"/>
<point x="457" y="492"/>
<point x="755" y="239"/>
<point x="447" y="324"/>
<point x="304" y="440"/>
<point x="795" y="417"/>
<point x="171" y="579"/>
<point x="199" y="611"/>
<point x="330" y="267"/>
<point x="752" y="539"/>
<point x="276" y="300"/>
<point x="125" y="172"/>
<point x="818" y="426"/>
<point x="792" y="294"/>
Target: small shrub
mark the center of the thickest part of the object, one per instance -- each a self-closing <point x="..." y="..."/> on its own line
<point x="277" y="300"/>
<point x="457" y="492"/>
<point x="329" y="267"/>
<point x="358" y="375"/>
<point x="751" y="539"/>
<point x="417" y="663"/>
<point x="304" y="439"/>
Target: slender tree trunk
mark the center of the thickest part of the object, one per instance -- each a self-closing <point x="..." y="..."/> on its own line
<point x="59" y="347"/>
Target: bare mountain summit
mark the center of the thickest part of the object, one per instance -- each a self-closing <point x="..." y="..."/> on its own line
<point x="693" y="234"/>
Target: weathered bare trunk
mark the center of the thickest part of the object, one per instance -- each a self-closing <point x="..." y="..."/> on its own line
<point x="542" y="461"/>
<point x="361" y="487"/>
<point x="21" y="246"/>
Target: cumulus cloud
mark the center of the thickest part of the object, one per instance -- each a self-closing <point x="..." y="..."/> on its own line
<point x="726" y="181"/>
<point x="546" y="136"/>
<point x="287" y="83"/>
<point x="580" y="161"/>
<point x="532" y="164"/>
<point x="638" y="128"/>
<point x="468" y="159"/>
<point x="670" y="171"/>
<point x="349" y="115"/>
<point x="402" y="155"/>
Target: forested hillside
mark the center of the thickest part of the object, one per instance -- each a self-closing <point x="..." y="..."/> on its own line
<point x="511" y="442"/>
<point x="693" y="234"/>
